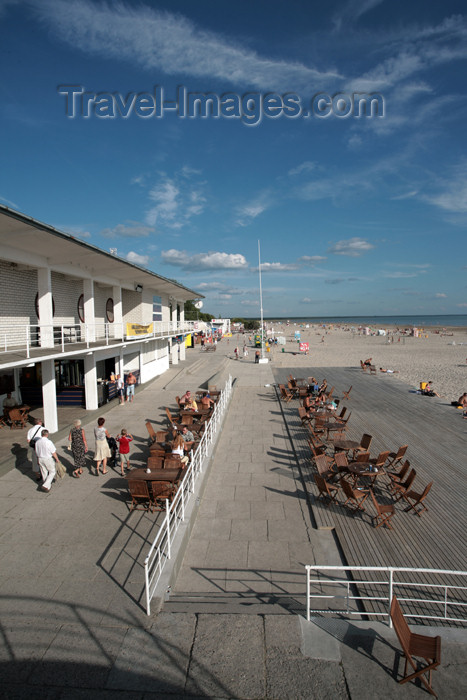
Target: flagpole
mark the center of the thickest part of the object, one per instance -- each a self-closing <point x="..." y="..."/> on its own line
<point x="261" y="301"/>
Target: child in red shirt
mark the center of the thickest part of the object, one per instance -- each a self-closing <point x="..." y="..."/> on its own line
<point x="124" y="440"/>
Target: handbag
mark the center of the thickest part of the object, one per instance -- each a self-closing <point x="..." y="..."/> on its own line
<point x="35" y="438"/>
<point x="60" y="470"/>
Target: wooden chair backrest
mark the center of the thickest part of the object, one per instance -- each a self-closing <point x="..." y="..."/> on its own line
<point x="381" y="458"/>
<point x="169" y="415"/>
<point x="404" y="469"/>
<point x="401" y="628"/>
<point x="341" y="460"/>
<point x="346" y="487"/>
<point x="343" y="412"/>
<point x="321" y="464"/>
<point x="424" y="493"/>
<point x="321" y="484"/>
<point x="401" y="452"/>
<point x="151" y="431"/>
<point x="138" y="488"/>
<point x="302" y="413"/>
<point x="409" y="481"/>
<point x="172" y="462"/>
<point x="156" y="461"/>
<point x="375" y="502"/>
<point x="363" y="365"/>
<point x="161" y="436"/>
<point x="16" y="415"/>
<point x="162" y="489"/>
<point x="363" y="457"/>
<point x="365" y="442"/>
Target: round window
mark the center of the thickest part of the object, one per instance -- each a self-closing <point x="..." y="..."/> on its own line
<point x="109" y="310"/>
<point x="81" y="308"/>
<point x="36" y="305"/>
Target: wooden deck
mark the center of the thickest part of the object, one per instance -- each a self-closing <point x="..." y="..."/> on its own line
<point x="435" y="432"/>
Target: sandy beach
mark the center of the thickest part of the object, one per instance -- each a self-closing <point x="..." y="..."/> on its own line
<point x="436" y="356"/>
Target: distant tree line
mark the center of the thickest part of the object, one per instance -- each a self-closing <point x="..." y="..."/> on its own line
<point x="249" y="324"/>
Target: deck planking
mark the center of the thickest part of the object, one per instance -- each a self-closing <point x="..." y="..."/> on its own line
<point x="435" y="432"/>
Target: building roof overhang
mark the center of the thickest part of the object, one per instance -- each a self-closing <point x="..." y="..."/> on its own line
<point x="26" y="241"/>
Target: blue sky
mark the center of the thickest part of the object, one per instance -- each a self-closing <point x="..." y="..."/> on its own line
<point x="356" y="215"/>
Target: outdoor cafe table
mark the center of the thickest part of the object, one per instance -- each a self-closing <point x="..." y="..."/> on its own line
<point x="160" y="447"/>
<point x="345" y="445"/>
<point x="359" y="469"/>
<point x="173" y="475"/>
<point x="332" y="425"/>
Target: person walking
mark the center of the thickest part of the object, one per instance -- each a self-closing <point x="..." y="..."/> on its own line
<point x="35" y="434"/>
<point x="124" y="440"/>
<point x="47" y="457"/>
<point x="79" y="447"/>
<point x="120" y="390"/>
<point x="130" y="387"/>
<point x="102" y="452"/>
<point x="257" y="353"/>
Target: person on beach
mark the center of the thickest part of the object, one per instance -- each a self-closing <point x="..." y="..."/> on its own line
<point x="79" y="447"/>
<point x="389" y="371"/>
<point x="428" y="390"/>
<point x="186" y="397"/>
<point x="462" y="400"/>
<point x="34" y="434"/>
<point x="124" y="440"/>
<point x="190" y="405"/>
<point x="257" y="353"/>
<point x="206" y="401"/>
<point x="368" y="362"/>
<point x="130" y="387"/>
<point x="102" y="452"/>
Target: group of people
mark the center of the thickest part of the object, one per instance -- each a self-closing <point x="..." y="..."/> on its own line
<point x="121" y="389"/>
<point x="44" y="456"/>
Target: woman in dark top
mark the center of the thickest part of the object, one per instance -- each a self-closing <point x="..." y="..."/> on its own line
<point x="79" y="447"/>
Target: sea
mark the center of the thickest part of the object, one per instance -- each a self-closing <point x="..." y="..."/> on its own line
<point x="422" y="321"/>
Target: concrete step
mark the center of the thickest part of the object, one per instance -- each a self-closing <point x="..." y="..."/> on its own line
<point x="231" y="603"/>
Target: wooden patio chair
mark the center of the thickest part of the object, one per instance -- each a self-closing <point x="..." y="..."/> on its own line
<point x="380" y="460"/>
<point x="156" y="461"/>
<point x="363" y="366"/>
<point x="362" y="457"/>
<point x="373" y="369"/>
<point x="397" y="477"/>
<point x="384" y="513"/>
<point x="422" y="646"/>
<point x="151" y="431"/>
<point x="17" y="418"/>
<point x="173" y="462"/>
<point x="364" y="445"/>
<point x="286" y="395"/>
<point x="341" y="463"/>
<point x="326" y="490"/>
<point x="415" y="499"/>
<point x="162" y="490"/>
<point x="162" y="436"/>
<point x="172" y="422"/>
<point x="293" y="388"/>
<point x="303" y="415"/>
<point x="141" y="498"/>
<point x="330" y="393"/>
<point x="346" y="394"/>
<point x="341" y="415"/>
<point x="404" y="486"/>
<point x="395" y="458"/>
<point x="357" y="496"/>
<point x="322" y="464"/>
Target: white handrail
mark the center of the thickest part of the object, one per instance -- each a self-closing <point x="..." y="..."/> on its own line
<point x="391" y="582"/>
<point x="160" y="551"/>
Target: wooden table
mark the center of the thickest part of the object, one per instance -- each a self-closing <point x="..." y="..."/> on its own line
<point x="172" y="475"/>
<point x="331" y="425"/>
<point x="346" y="445"/>
<point x="358" y="469"/>
<point x="160" y="447"/>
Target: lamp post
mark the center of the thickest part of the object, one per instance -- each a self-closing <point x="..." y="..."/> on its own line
<point x="263" y="358"/>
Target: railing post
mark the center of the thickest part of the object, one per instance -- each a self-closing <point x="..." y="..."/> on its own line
<point x="308" y="594"/>
<point x="146" y="580"/>
<point x="63" y="338"/>
<point x="391" y="586"/>
<point x="28" y="339"/>
<point x="167" y="524"/>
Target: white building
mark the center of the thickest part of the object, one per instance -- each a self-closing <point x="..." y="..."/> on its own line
<point x="71" y="315"/>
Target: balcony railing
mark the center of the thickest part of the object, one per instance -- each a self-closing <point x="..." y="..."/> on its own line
<point x="58" y="338"/>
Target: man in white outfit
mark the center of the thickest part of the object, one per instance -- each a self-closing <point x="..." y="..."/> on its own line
<point x="47" y="457"/>
<point x="35" y="433"/>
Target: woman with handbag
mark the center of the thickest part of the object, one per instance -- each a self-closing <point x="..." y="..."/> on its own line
<point x="102" y="452"/>
<point x="79" y="447"/>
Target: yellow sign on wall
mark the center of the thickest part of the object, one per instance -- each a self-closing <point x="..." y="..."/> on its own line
<point x="188" y="341"/>
<point x="136" y="330"/>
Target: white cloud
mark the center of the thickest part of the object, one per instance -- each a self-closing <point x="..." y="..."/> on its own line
<point x="306" y="300"/>
<point x="248" y="302"/>
<point x="352" y="11"/>
<point x="305" y="167"/>
<point x="177" y="200"/>
<point x="131" y="229"/>
<point x="276" y="267"/>
<point x="133" y="257"/>
<point x="440" y="295"/>
<point x="311" y="259"/>
<point x="204" y="261"/>
<point x="353" y="247"/>
<point x="160" y="41"/>
<point x="248" y="212"/>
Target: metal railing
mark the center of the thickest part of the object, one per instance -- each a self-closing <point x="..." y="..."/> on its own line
<point x="14" y="338"/>
<point x="161" y="549"/>
<point x="388" y="581"/>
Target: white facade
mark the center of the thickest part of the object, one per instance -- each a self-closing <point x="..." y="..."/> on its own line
<point x="72" y="314"/>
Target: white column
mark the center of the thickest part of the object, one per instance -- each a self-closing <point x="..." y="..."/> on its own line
<point x="182" y="313"/>
<point x="174" y="313"/>
<point x="90" y="382"/>
<point x="44" y="289"/>
<point x="49" y="396"/>
<point x="89" y="317"/>
<point x="182" y="350"/>
<point x="118" y="313"/>
<point x="174" y="353"/>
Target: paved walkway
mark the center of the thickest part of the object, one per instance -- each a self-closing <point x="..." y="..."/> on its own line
<point x="72" y="622"/>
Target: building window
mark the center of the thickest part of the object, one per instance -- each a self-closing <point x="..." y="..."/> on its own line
<point x="36" y="305"/>
<point x="81" y="308"/>
<point x="109" y="310"/>
<point x="157" y="308"/>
